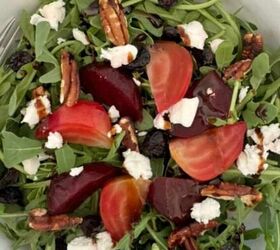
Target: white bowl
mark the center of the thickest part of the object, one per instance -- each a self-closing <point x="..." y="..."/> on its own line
<point x="265" y="14"/>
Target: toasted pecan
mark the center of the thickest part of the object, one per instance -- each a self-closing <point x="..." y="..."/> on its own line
<point x="252" y="45"/>
<point x="179" y="237"/>
<point x="114" y="22"/>
<point x="230" y="191"/>
<point x="238" y="70"/>
<point x="39" y="220"/>
<point x="130" y="140"/>
<point x="37" y="93"/>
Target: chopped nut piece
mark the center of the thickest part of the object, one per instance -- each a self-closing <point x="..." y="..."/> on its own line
<point x="130" y="139"/>
<point x="179" y="237"/>
<point x="114" y="22"/>
<point x="70" y="84"/>
<point x="42" y="109"/>
<point x="185" y="38"/>
<point x="230" y="191"/>
<point x="252" y="45"/>
<point x="39" y="220"/>
<point x="238" y="70"/>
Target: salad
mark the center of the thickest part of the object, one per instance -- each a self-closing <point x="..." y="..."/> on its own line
<point x="145" y="124"/>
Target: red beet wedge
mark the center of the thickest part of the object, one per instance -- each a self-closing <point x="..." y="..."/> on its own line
<point x="214" y="97"/>
<point x="67" y="192"/>
<point x="174" y="197"/>
<point x="112" y="87"/>
<point x="85" y="123"/>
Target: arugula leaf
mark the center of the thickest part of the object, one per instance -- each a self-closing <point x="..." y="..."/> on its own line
<point x="260" y="68"/>
<point x="82" y="4"/>
<point x="272" y="88"/>
<point x="224" y="54"/>
<point x="16" y="149"/>
<point x="21" y="89"/>
<point x="157" y="166"/>
<point x="147" y="122"/>
<point x="260" y="113"/>
<point x="65" y="158"/>
<point x="27" y="28"/>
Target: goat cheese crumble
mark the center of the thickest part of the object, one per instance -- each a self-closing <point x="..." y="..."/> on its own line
<point x="55" y="140"/>
<point x="136" y="81"/>
<point x="104" y="241"/>
<point x="76" y="171"/>
<point x="30" y="113"/>
<point x="214" y="45"/>
<point x="60" y="40"/>
<point x="31" y="165"/>
<point x="80" y="36"/>
<point x="137" y="165"/>
<point x="206" y="210"/>
<point x="53" y="13"/>
<point x="196" y="34"/>
<point x="183" y="112"/>
<point x="120" y="55"/>
<point x="114" y="114"/>
<point x="243" y="92"/>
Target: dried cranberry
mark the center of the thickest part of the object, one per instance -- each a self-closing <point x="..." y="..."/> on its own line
<point x="203" y="57"/>
<point x="155" y="144"/>
<point x="140" y="38"/>
<point x="91" y="225"/>
<point x="167" y="4"/>
<point x="11" y="195"/>
<point x="174" y="197"/>
<point x="142" y="59"/>
<point x="18" y="59"/>
<point x="155" y="20"/>
<point x="171" y="34"/>
<point x="9" y="178"/>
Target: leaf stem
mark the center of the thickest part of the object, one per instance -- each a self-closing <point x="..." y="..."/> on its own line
<point x="232" y="109"/>
<point x="131" y="2"/>
<point x="22" y="214"/>
<point x="195" y="6"/>
<point x="62" y="45"/>
<point x="247" y="99"/>
<point x="155" y="237"/>
<point x="36" y="184"/>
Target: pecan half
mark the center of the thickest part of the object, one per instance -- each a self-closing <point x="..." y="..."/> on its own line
<point x="70" y="83"/>
<point x="39" y="220"/>
<point x="182" y="236"/>
<point x="130" y="139"/>
<point x="230" y="191"/>
<point x="42" y="110"/>
<point x="114" y="22"/>
<point x="252" y="45"/>
<point x="238" y="70"/>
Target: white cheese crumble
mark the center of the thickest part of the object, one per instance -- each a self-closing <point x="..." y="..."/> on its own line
<point x="55" y="140"/>
<point x="142" y="133"/>
<point x="242" y="93"/>
<point x="275" y="146"/>
<point x="30" y="113"/>
<point x="136" y="81"/>
<point x="80" y="36"/>
<point x="104" y="241"/>
<point x="250" y="159"/>
<point x="76" y="171"/>
<point x="183" y="112"/>
<point x="81" y="243"/>
<point x="137" y="165"/>
<point x="60" y="40"/>
<point x="53" y="13"/>
<point x="119" y="55"/>
<point x="114" y="114"/>
<point x="196" y="34"/>
<point x="118" y="128"/>
<point x="206" y="210"/>
<point x="31" y="165"/>
<point x="214" y="45"/>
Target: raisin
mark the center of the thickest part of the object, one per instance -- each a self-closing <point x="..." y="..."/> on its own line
<point x="142" y="59"/>
<point x="11" y="195"/>
<point x="171" y="34"/>
<point x="167" y="4"/>
<point x="203" y="57"/>
<point x="18" y="59"/>
<point x="155" y="20"/>
<point x="140" y="38"/>
<point x="155" y="144"/>
<point x="91" y="225"/>
<point x="9" y="178"/>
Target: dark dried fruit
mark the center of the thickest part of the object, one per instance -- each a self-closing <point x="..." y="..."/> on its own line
<point x="155" y="144"/>
<point x="140" y="38"/>
<point x="92" y="10"/>
<point x="91" y="225"/>
<point x="142" y="59"/>
<point x="60" y="243"/>
<point x="203" y="57"/>
<point x="18" y="59"/>
<point x="11" y="195"/>
<point x="9" y="178"/>
<point x="174" y="197"/>
<point x="171" y="34"/>
<point x="155" y="20"/>
<point x="167" y="4"/>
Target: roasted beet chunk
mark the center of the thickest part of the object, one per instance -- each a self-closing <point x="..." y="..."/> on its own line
<point x="214" y="102"/>
<point x="155" y="144"/>
<point x="10" y="195"/>
<point x="18" y="59"/>
<point x="174" y="197"/>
